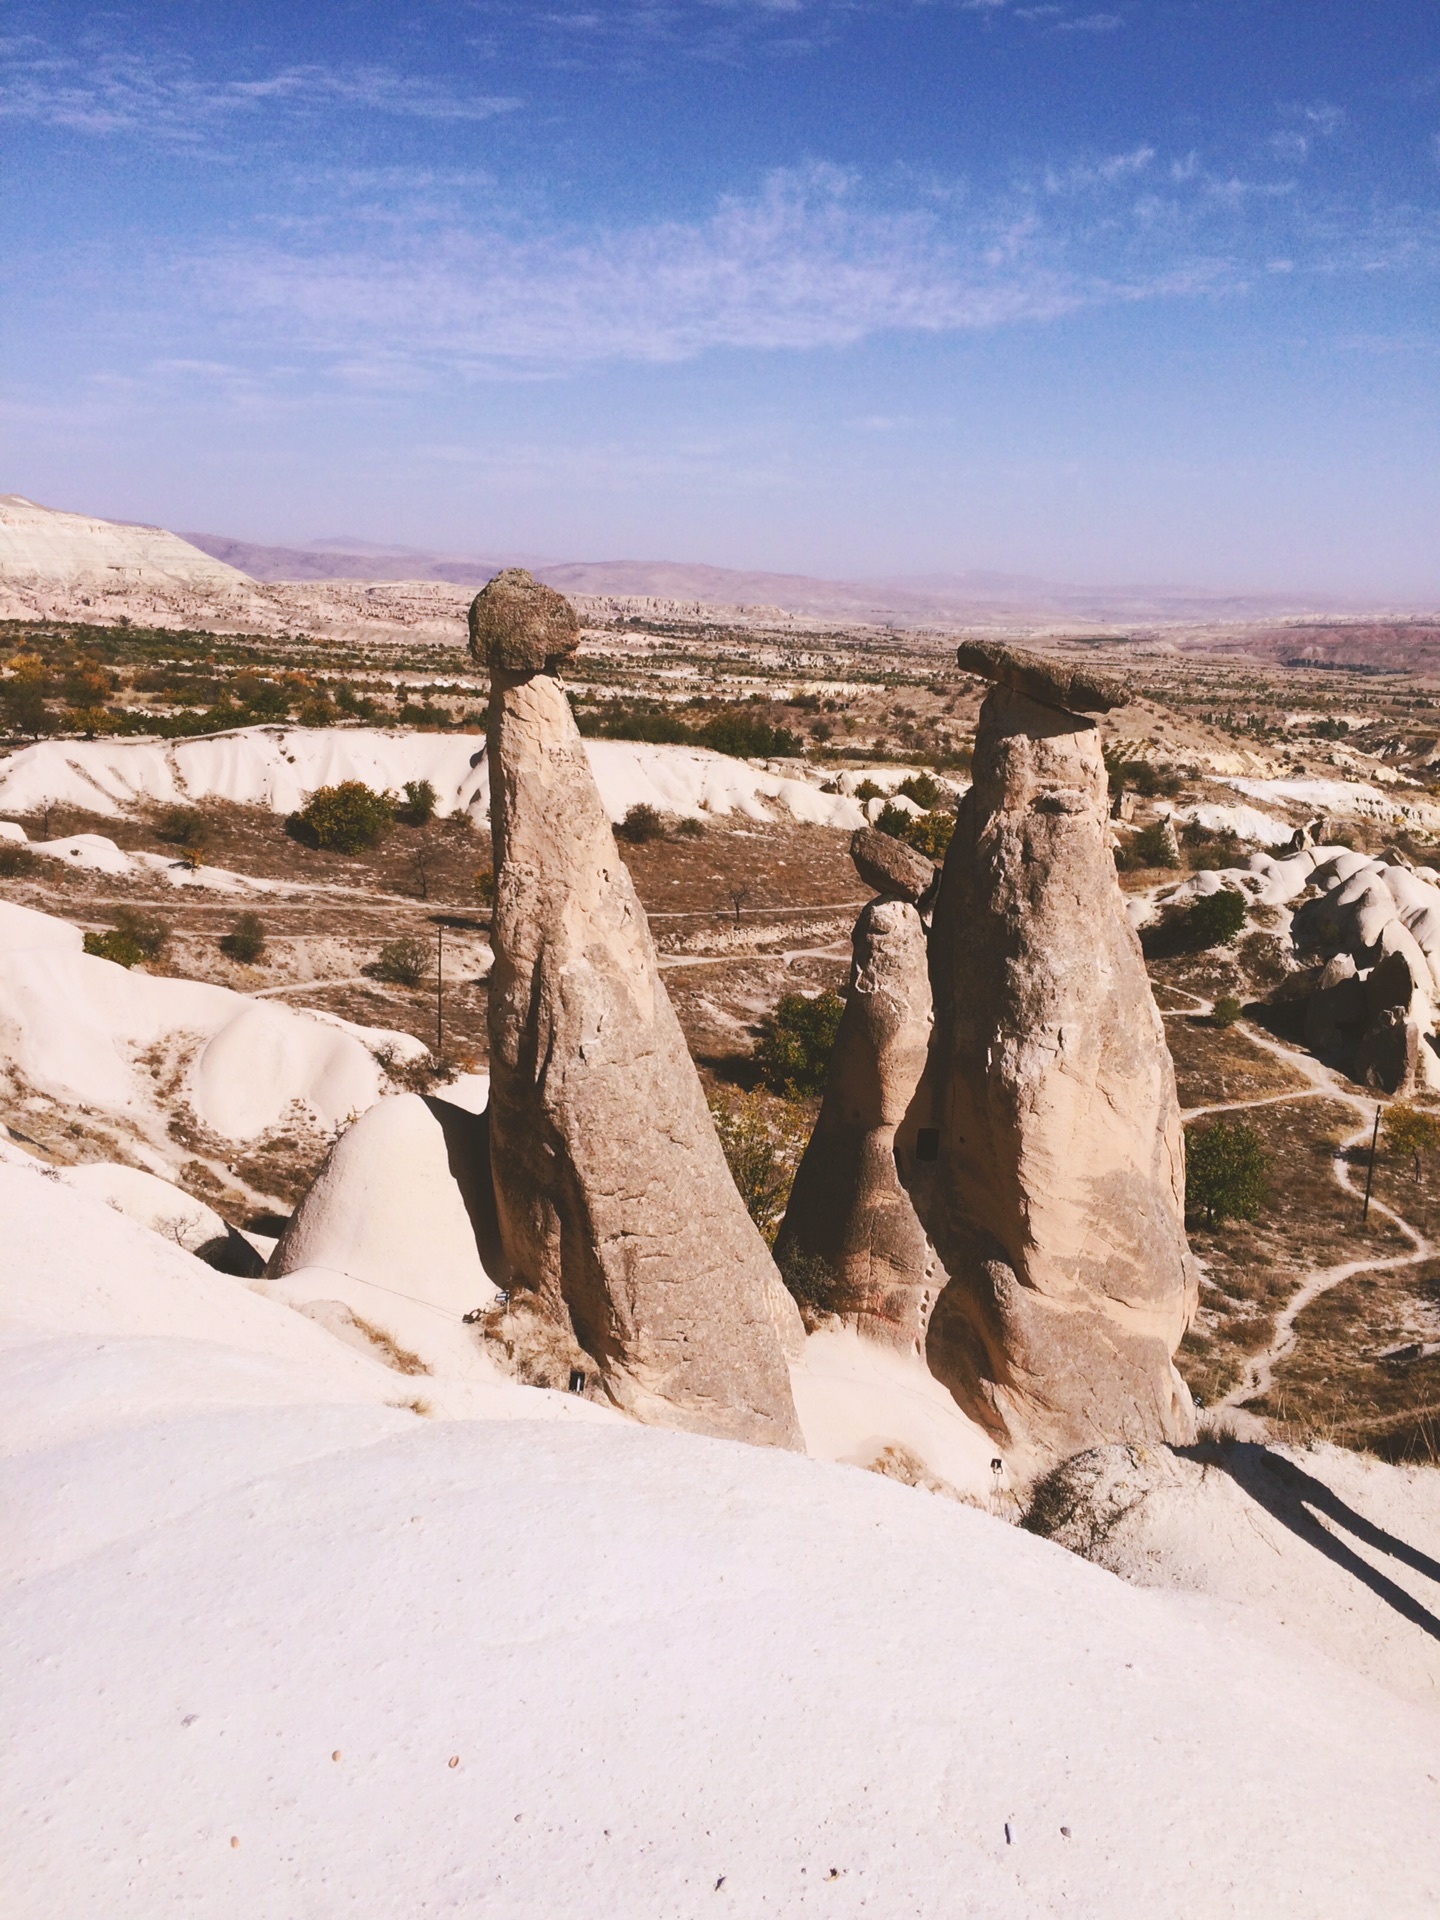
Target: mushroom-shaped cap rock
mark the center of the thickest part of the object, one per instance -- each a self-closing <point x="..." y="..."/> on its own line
<point x="1055" y="683"/>
<point x="519" y="624"/>
<point x="892" y="868"/>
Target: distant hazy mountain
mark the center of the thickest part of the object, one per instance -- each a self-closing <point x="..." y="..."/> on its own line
<point x="907" y="599"/>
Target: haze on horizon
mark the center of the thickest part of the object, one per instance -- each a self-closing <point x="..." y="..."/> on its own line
<point x="1142" y="290"/>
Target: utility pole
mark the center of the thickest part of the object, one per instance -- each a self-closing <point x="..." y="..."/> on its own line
<point x="439" y="991"/>
<point x="1370" y="1176"/>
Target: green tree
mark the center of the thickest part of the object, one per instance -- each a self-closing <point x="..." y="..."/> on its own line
<point x="796" y="1041"/>
<point x="1216" y="918"/>
<point x="344" y="819"/>
<point x="1409" y="1132"/>
<point x="1227" y="1173"/>
<point x="1227" y="1010"/>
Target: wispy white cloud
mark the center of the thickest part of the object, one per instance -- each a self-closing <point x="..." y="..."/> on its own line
<point x="806" y="264"/>
<point x="104" y="90"/>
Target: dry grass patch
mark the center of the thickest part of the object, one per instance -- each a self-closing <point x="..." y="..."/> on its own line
<point x="1214" y="1064"/>
<point x="1253" y="1269"/>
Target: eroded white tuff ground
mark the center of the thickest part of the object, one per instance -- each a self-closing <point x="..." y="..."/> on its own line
<point x="267" y="1631"/>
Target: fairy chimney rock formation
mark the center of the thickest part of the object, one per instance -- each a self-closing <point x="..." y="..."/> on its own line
<point x="630" y="1256"/>
<point x="891" y="867"/>
<point x="850" y="1244"/>
<point x="1043" y="1149"/>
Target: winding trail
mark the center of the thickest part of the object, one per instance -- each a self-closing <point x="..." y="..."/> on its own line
<point x="1323" y="1083"/>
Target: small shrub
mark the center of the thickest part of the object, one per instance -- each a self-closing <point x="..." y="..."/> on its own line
<point x="796" y="1041"/>
<point x="923" y="789"/>
<point x="867" y="790"/>
<point x="485" y="885"/>
<point x="16" y="859"/>
<point x="418" y="806"/>
<point x="1227" y="1010"/>
<point x="692" y="827"/>
<point x="182" y="826"/>
<point x="763" y="1141"/>
<point x="641" y="824"/>
<point x="403" y="962"/>
<point x="246" y="939"/>
<point x="358" y="705"/>
<point x="146" y="930"/>
<point x="427" y="716"/>
<point x="115" y="946"/>
<point x="931" y="833"/>
<point x="894" y="820"/>
<point x="1154" y="846"/>
<point x="1227" y="1174"/>
<point x="317" y="711"/>
<point x="345" y="819"/>
<point x="1215" y="919"/>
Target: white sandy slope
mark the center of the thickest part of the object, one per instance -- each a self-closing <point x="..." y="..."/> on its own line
<point x="274" y="1646"/>
<point x="96" y="853"/>
<point x="83" y="1032"/>
<point x="41" y="547"/>
<point x="279" y="767"/>
<point x="1338" y="1548"/>
<point x="1344" y="799"/>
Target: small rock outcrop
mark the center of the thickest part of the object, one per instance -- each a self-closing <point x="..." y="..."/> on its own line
<point x="1043" y="1149"/>
<point x="850" y="1244"/>
<point x="631" y="1259"/>
<point x="402" y="1202"/>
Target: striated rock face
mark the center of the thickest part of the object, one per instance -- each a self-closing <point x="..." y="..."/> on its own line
<point x="630" y="1255"/>
<point x="850" y="1244"/>
<point x="1043" y="1149"/>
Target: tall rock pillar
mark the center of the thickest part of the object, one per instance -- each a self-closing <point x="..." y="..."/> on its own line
<point x="629" y="1250"/>
<point x="1043" y="1149"/>
<point x="850" y="1245"/>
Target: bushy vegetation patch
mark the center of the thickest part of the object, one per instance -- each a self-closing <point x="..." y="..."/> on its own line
<point x="348" y="818"/>
<point x="796" y="1041"/>
<point x="1215" y="919"/>
<point x="1227" y="1174"/>
<point x="403" y="962"/>
<point x="641" y="824"/>
<point x="246" y="939"/>
<point x="763" y="1140"/>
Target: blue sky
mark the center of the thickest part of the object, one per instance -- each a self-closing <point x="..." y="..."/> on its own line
<point x="1140" y="290"/>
